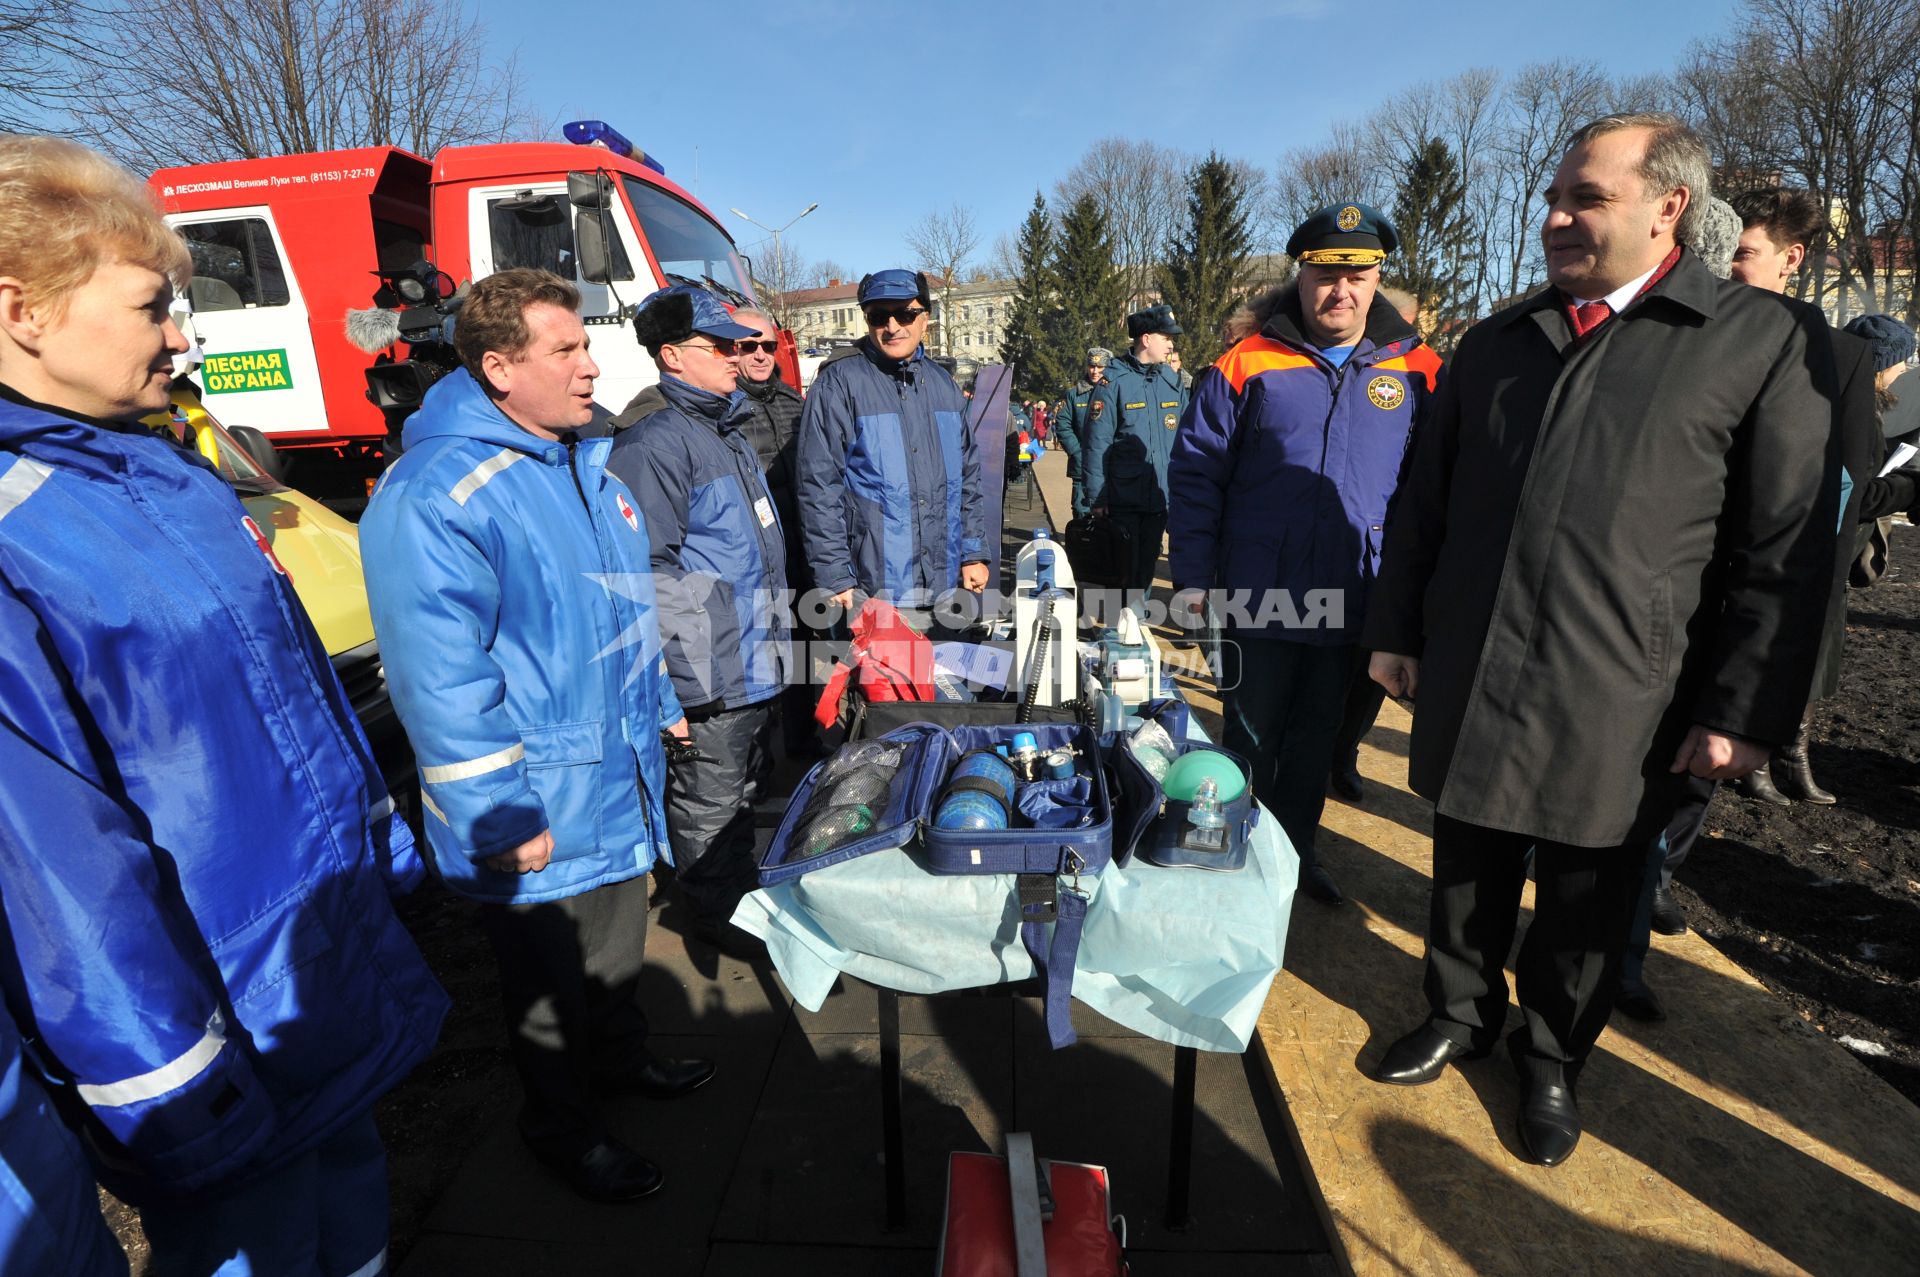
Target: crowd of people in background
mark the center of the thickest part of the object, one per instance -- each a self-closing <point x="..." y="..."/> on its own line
<point x="1601" y="551"/>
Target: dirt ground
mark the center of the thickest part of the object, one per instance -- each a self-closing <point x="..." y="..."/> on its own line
<point x="1822" y="904"/>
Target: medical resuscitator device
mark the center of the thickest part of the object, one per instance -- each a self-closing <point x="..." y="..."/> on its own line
<point x="1046" y="623"/>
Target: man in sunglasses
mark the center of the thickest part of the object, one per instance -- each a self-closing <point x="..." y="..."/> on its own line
<point x="719" y="568"/>
<point x="773" y="425"/>
<point x="890" y="499"/>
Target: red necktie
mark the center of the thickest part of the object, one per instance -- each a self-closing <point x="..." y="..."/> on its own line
<point x="1589" y="316"/>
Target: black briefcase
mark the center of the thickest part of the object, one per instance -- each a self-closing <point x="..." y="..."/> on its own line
<point x="1100" y="550"/>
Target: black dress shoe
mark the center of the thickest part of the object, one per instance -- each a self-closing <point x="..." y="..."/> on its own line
<point x="1549" y="1118"/>
<point x="1316" y="882"/>
<point x="1418" y="1058"/>
<point x="1640" y="1002"/>
<point x="1669" y="919"/>
<point x="608" y="1172"/>
<point x="1347" y="785"/>
<point x="663" y="1079"/>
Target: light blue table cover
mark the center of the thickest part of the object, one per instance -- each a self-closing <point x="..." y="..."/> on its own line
<point x="1182" y="955"/>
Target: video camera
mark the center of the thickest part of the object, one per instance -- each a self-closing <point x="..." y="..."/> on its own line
<point x="415" y="306"/>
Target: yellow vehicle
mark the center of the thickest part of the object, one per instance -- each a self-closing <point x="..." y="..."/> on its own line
<point x="321" y="554"/>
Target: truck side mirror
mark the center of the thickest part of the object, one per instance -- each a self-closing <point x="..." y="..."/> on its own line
<point x="592" y="194"/>
<point x="590" y="190"/>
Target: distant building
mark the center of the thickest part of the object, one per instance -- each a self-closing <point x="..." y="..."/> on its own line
<point x="819" y="316"/>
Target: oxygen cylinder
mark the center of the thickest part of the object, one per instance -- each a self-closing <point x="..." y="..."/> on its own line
<point x="979" y="793"/>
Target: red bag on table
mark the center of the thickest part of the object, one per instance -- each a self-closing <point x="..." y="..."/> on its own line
<point x="890" y="661"/>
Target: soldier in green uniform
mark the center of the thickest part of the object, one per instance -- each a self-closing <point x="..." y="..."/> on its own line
<point x="1072" y="423"/>
<point x="1130" y="437"/>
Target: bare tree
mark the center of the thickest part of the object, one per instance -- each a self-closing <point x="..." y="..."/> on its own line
<point x="943" y="243"/>
<point x="1542" y="106"/>
<point x="1311" y="178"/>
<point x="1824" y="94"/>
<point x="824" y="272"/>
<point x="39" y="41"/>
<point x="779" y="271"/>
<point x="1460" y="113"/>
<point x="239" y="79"/>
<point x="1140" y="186"/>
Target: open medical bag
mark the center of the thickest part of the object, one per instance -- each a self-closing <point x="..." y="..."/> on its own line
<point x="1039" y="857"/>
<point x="1162" y="834"/>
<point x="1022" y="1216"/>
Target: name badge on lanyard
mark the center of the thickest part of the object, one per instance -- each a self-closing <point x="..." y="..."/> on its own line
<point x="764" y="508"/>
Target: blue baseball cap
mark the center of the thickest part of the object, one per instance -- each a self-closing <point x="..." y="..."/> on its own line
<point x="894" y="286"/>
<point x="676" y="313"/>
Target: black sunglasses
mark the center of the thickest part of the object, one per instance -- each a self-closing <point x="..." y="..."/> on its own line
<point x="877" y="316"/>
<point x="748" y="347"/>
<point x="722" y="346"/>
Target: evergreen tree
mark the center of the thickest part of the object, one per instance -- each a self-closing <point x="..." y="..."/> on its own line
<point x="1091" y="292"/>
<point x="1036" y="365"/>
<point x="1209" y="259"/>
<point x="1436" y="241"/>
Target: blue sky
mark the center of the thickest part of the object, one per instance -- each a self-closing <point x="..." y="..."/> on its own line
<point x="883" y="112"/>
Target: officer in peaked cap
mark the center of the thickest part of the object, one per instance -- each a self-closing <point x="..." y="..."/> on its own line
<point x="1075" y="411"/>
<point x="1280" y="479"/>
<point x="1351" y="234"/>
<point x="1133" y="417"/>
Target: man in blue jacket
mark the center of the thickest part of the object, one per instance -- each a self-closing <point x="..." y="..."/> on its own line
<point x="197" y="852"/>
<point x="719" y="562"/>
<point x="1132" y="417"/>
<point x="889" y="476"/>
<point x="1281" y="476"/>
<point x="509" y="578"/>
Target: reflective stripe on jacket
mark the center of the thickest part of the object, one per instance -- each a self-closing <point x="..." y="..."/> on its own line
<point x="514" y="600"/>
<point x="196" y="847"/>
<point x="1284" y="466"/>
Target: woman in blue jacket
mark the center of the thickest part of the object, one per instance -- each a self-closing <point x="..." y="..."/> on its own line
<point x="196" y="848"/>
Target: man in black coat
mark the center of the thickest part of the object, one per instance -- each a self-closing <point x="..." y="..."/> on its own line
<point x="1610" y="560"/>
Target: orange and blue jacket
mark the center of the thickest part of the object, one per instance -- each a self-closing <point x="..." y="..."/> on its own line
<point x="1283" y="468"/>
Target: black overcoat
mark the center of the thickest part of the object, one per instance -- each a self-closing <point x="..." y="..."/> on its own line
<point x="1599" y="544"/>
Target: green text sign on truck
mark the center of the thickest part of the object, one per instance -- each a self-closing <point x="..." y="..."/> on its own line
<point x="247" y="370"/>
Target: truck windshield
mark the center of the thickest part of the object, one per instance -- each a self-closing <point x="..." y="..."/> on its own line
<point x="688" y="246"/>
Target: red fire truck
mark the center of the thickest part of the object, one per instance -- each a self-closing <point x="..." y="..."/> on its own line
<point x="284" y="249"/>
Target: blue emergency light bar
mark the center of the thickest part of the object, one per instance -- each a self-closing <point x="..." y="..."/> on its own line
<point x="600" y="133"/>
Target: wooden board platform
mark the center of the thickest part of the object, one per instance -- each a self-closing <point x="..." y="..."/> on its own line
<point x="1732" y="1138"/>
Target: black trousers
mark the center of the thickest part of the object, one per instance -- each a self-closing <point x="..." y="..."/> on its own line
<point x="1147" y="527"/>
<point x="1569" y="963"/>
<point x="1666" y="854"/>
<point x="1364" y="698"/>
<point x="1282" y="702"/>
<point x="710" y="804"/>
<point x="570" y="982"/>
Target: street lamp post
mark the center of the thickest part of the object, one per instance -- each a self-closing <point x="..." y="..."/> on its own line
<point x="777" y="233"/>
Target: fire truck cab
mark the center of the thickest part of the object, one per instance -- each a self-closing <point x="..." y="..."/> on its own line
<point x="284" y="248"/>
